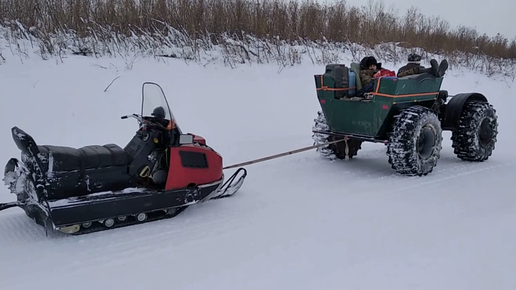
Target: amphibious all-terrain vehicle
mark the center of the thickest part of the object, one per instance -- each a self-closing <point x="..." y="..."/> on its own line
<point x="407" y="114"/>
<point x="158" y="174"/>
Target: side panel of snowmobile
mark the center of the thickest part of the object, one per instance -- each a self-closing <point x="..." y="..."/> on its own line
<point x="193" y="164"/>
<point x="123" y="203"/>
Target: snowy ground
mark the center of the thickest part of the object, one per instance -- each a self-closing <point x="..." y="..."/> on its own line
<point x="299" y="222"/>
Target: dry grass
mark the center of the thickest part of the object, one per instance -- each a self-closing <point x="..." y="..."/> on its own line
<point x="246" y="30"/>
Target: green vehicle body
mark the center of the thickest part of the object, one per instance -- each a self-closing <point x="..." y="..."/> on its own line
<point x="369" y="119"/>
<point x="407" y="114"/>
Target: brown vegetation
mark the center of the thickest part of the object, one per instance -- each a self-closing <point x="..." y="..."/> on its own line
<point x="193" y="25"/>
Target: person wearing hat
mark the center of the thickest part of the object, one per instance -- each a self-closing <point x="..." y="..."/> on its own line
<point x="414" y="67"/>
<point x="368" y="68"/>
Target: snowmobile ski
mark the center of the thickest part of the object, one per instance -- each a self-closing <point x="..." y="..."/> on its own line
<point x="228" y="188"/>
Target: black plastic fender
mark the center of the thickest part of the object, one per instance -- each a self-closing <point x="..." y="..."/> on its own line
<point x="27" y="145"/>
<point x="453" y="109"/>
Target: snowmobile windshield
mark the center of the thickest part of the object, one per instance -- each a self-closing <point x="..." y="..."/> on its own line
<point x="154" y="102"/>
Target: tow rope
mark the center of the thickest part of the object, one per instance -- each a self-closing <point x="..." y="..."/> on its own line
<point x="282" y="154"/>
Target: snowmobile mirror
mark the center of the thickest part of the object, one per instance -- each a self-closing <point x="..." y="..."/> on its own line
<point x="185" y="139"/>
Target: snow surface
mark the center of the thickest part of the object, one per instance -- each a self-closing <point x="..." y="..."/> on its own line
<point x="299" y="222"/>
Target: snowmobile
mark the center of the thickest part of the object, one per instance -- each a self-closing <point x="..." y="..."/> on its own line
<point x="158" y="174"/>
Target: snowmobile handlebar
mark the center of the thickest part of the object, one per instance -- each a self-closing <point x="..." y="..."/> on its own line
<point x="136" y="116"/>
<point x="143" y="122"/>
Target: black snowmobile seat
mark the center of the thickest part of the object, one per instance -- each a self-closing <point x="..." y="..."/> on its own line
<point x="87" y="157"/>
<point x="67" y="158"/>
<point x="66" y="171"/>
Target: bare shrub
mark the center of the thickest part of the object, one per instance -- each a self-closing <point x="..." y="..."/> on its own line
<point x="238" y="32"/>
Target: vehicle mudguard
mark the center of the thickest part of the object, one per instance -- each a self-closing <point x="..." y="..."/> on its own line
<point x="453" y="109"/>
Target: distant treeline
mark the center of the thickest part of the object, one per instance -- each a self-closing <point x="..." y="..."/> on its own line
<point x="265" y="19"/>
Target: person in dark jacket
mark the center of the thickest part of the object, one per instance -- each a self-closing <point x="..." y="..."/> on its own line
<point x="414" y="67"/>
<point x="368" y="68"/>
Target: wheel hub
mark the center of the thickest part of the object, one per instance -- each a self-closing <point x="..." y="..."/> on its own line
<point x="109" y="223"/>
<point x="426" y="142"/>
<point x="485" y="132"/>
<point x="141" y="217"/>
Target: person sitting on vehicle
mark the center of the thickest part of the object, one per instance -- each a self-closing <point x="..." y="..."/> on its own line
<point x="370" y="69"/>
<point x="159" y="114"/>
<point x="159" y="119"/>
<point x="168" y="127"/>
<point x="414" y="67"/>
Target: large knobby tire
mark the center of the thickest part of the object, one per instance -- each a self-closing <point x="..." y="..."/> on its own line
<point x="415" y="142"/>
<point x="475" y="138"/>
<point x="336" y="150"/>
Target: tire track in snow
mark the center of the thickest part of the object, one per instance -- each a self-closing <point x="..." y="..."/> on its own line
<point x="361" y="174"/>
<point x="448" y="171"/>
<point x="440" y="177"/>
<point x="11" y="230"/>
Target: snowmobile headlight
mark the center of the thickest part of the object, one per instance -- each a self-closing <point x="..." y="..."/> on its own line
<point x="156" y="140"/>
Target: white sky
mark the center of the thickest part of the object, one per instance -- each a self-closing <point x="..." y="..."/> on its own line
<point x="486" y="16"/>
